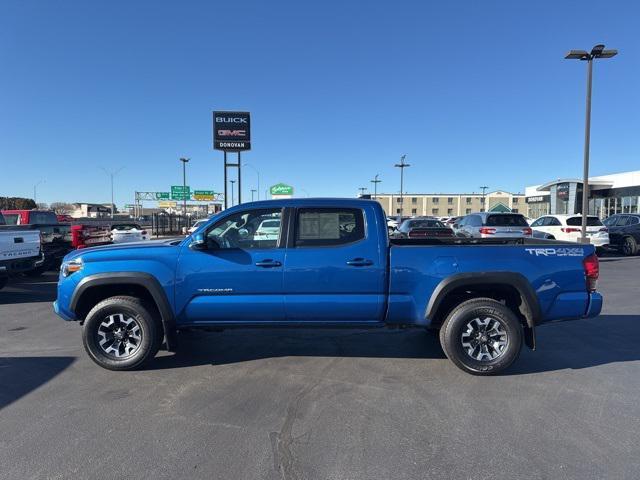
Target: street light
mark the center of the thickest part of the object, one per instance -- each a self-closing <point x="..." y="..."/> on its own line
<point x="402" y="165"/>
<point x="484" y="189"/>
<point x="35" y="192"/>
<point x="184" y="186"/>
<point x="362" y="190"/>
<point x="232" y="184"/>
<point x="253" y="190"/>
<point x="596" y="52"/>
<point x="258" y="175"/>
<point x="375" y="182"/>
<point x="112" y="174"/>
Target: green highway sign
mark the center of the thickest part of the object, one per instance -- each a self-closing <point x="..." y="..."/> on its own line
<point x="129" y="205"/>
<point x="281" y="189"/>
<point x="163" y="195"/>
<point x="178" y="192"/>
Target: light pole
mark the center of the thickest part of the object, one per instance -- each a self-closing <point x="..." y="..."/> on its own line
<point x="232" y="184"/>
<point x="258" y="175"/>
<point x="184" y="161"/>
<point x="375" y="182"/>
<point x="253" y="190"/>
<point x="112" y="174"/>
<point x="362" y="190"/>
<point x="402" y="165"/>
<point x="484" y="189"/>
<point x="596" y="52"/>
<point x="35" y="192"/>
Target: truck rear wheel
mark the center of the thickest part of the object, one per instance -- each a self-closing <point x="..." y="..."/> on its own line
<point x="481" y="336"/>
<point x="121" y="334"/>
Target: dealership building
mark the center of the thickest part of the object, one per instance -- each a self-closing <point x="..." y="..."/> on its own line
<point x="449" y="204"/>
<point x="608" y="194"/>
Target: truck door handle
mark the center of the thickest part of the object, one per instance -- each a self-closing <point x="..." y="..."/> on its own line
<point x="359" y="262"/>
<point x="268" y="263"/>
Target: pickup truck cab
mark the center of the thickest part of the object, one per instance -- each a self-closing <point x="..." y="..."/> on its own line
<point x="331" y="264"/>
<point x="19" y="251"/>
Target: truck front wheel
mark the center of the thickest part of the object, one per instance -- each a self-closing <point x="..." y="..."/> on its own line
<point x="481" y="336"/>
<point x="120" y="333"/>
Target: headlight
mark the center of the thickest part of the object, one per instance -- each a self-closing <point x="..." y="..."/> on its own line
<point x="71" y="266"/>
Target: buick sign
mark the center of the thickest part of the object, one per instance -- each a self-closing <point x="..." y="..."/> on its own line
<point x="231" y="131"/>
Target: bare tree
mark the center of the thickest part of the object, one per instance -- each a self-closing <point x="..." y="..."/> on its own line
<point x="62" y="208"/>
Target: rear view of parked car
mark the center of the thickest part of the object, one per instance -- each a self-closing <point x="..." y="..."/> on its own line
<point x="569" y="228"/>
<point x="624" y="232"/>
<point x="492" y="225"/>
<point x="423" y="227"/>
<point x="128" y="232"/>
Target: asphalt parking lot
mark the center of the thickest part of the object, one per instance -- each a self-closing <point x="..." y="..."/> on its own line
<point x="318" y="404"/>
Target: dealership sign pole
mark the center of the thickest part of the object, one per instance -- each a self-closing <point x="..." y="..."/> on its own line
<point x="232" y="133"/>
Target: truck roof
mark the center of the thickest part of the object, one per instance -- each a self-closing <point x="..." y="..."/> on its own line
<point x="306" y="202"/>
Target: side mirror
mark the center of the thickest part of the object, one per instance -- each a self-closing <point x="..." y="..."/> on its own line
<point x="243" y="233"/>
<point x="198" y="242"/>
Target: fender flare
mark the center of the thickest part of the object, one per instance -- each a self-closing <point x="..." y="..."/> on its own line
<point x="145" y="280"/>
<point x="531" y="306"/>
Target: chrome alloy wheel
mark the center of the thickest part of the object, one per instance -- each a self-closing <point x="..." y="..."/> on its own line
<point x="484" y="339"/>
<point x="119" y="336"/>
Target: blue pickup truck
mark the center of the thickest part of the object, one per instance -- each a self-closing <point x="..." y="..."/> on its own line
<point x="328" y="263"/>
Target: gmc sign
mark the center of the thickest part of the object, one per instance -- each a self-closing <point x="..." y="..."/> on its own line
<point x="231" y="131"/>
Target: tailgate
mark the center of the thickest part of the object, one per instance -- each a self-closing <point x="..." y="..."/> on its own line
<point x="19" y="244"/>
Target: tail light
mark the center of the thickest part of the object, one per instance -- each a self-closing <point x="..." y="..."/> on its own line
<point x="527" y="231"/>
<point x="570" y="230"/>
<point x="591" y="271"/>
<point x="144" y="232"/>
<point x="487" y="230"/>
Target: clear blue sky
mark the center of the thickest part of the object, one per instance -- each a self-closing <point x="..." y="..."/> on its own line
<point x="474" y="92"/>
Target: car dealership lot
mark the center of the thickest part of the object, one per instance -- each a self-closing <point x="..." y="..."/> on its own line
<point x="321" y="403"/>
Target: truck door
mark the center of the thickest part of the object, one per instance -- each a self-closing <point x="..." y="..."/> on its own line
<point x="335" y="266"/>
<point x="237" y="275"/>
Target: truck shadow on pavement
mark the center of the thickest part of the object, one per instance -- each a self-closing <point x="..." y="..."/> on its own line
<point x="30" y="289"/>
<point x="21" y="375"/>
<point x="569" y="345"/>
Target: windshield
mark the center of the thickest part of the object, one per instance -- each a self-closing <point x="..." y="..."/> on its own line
<point x="126" y="227"/>
<point x="506" y="220"/>
<point x="426" y="224"/>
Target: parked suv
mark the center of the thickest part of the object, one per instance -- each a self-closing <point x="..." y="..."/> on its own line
<point x="624" y="232"/>
<point x="569" y="228"/>
<point x="492" y="225"/>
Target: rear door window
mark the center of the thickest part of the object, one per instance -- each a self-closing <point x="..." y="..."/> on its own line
<point x="42" y="218"/>
<point x="324" y="227"/>
<point x="11" y="218"/>
<point x="577" y="221"/>
<point x="506" y="221"/>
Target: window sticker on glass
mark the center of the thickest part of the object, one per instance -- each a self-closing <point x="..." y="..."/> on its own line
<point x="315" y="226"/>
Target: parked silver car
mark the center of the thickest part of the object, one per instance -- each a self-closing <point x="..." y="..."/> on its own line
<point x="492" y="225"/>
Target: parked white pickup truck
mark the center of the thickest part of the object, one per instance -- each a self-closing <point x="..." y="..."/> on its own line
<point x="20" y="250"/>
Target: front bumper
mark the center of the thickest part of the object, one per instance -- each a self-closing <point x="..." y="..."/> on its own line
<point x="68" y="316"/>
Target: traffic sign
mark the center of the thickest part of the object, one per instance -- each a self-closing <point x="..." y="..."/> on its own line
<point x="166" y="204"/>
<point x="203" y="195"/>
<point x="129" y="205"/>
<point x="178" y="192"/>
<point x="163" y="195"/>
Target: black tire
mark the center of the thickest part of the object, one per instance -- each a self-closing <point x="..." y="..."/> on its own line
<point x="629" y="246"/>
<point x="3" y="282"/>
<point x="458" y="323"/>
<point x="118" y="310"/>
